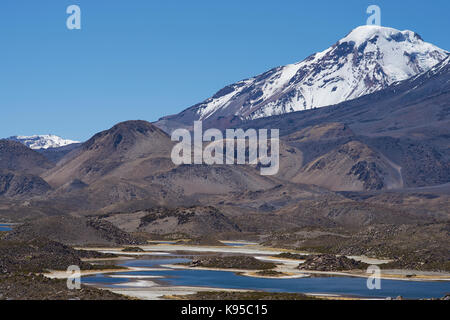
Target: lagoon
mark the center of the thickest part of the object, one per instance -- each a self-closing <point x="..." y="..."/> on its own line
<point x="348" y="286"/>
<point x="5" y="227"/>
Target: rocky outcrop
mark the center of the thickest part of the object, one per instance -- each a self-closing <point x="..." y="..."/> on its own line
<point x="133" y="249"/>
<point x="328" y="262"/>
<point x="73" y="231"/>
<point x="38" y="287"/>
<point x="196" y="221"/>
<point x="37" y="255"/>
<point x="232" y="262"/>
<point x="111" y="233"/>
<point x="14" y="184"/>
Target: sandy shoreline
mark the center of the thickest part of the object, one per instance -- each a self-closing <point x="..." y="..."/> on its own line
<point x="143" y="287"/>
<point x="57" y="274"/>
<point x="164" y="249"/>
<point x="295" y="273"/>
<point x="166" y="293"/>
<point x="284" y="265"/>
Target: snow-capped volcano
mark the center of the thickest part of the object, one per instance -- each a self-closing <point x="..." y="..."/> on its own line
<point x="42" y="141"/>
<point x="368" y="59"/>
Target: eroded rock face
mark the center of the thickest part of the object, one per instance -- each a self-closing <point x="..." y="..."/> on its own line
<point x="112" y="233"/>
<point x="328" y="262"/>
<point x="352" y="166"/>
<point x="369" y="173"/>
<point x="14" y="184"/>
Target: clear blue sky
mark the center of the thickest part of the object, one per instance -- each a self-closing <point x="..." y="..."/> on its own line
<point x="143" y="59"/>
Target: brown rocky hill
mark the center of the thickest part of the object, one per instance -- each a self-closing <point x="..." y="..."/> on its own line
<point x="131" y="162"/>
<point x="73" y="231"/>
<point x="128" y="150"/>
<point x="13" y="184"/>
<point x="112" y="167"/>
<point x="192" y="221"/>
<point x="352" y="167"/>
<point x="14" y="156"/>
<point x="20" y="168"/>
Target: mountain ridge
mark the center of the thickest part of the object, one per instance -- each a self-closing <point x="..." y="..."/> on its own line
<point x="109" y="150"/>
<point x="46" y="141"/>
<point x="368" y="59"/>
